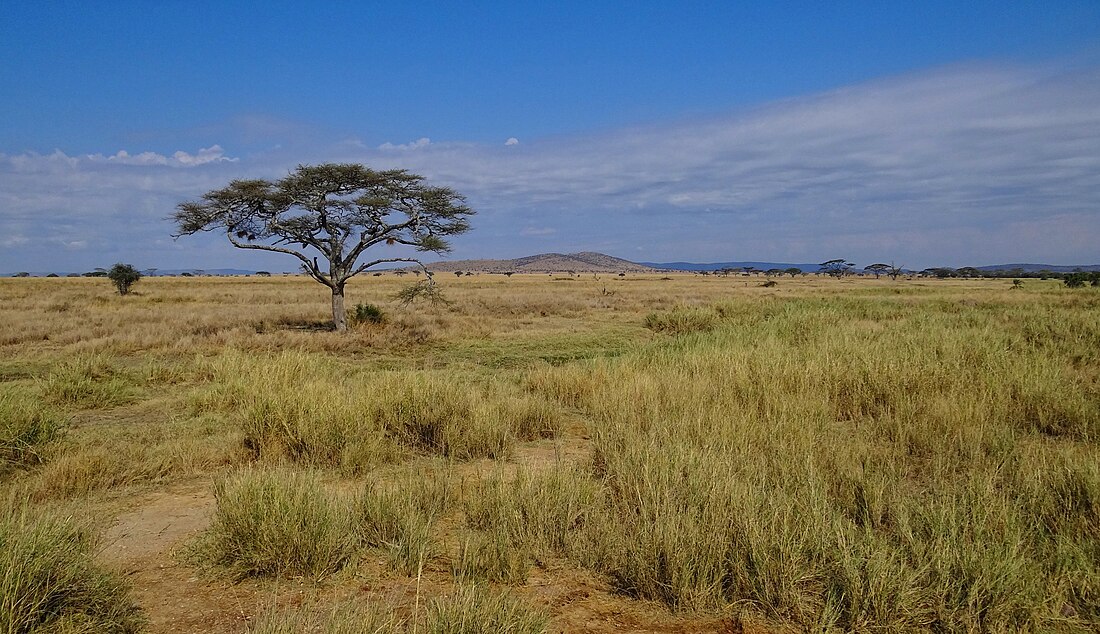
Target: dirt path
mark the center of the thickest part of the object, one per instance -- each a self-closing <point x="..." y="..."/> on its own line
<point x="143" y="544"/>
<point x="145" y="541"/>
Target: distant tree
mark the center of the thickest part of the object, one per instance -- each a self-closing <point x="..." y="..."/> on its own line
<point x="72" y="275"/>
<point x="186" y="274"/>
<point x="877" y="269"/>
<point x="53" y="275"/>
<point x="1079" y="278"/>
<point x="336" y="211"/>
<point x="96" y="273"/>
<point x="773" y="272"/>
<point x="968" y="271"/>
<point x="940" y="272"/>
<point x="263" y="273"/>
<point x="22" y="274"/>
<point x="793" y="271"/>
<point x="837" y="268"/>
<point x="124" y="277"/>
<point x="894" y="271"/>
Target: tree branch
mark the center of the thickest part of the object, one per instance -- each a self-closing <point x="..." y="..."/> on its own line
<point x="310" y="267"/>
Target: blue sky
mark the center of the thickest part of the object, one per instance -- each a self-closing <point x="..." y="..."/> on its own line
<point x="921" y="132"/>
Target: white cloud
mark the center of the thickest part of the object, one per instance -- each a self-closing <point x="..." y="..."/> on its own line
<point x="212" y="154"/>
<point x="512" y="141"/>
<point x="537" y="231"/>
<point x="422" y="142"/>
<point x="966" y="165"/>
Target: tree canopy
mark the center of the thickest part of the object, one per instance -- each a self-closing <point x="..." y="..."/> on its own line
<point x="334" y="212"/>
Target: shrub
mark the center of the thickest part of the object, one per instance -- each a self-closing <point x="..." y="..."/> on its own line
<point x="124" y="277"/>
<point x="50" y="583"/>
<point x="276" y="523"/>
<point x="1079" y="279"/>
<point x="367" y="314"/>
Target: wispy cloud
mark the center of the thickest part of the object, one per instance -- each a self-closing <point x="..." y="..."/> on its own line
<point x="422" y="142"/>
<point x="971" y="164"/>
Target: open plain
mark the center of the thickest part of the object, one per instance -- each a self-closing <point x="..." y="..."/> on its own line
<point x="574" y="453"/>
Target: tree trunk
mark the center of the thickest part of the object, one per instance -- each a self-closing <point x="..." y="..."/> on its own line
<point x="339" y="316"/>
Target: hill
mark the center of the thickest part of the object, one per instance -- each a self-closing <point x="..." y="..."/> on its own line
<point x="1035" y="268"/>
<point x="586" y="262"/>
<point x="717" y="266"/>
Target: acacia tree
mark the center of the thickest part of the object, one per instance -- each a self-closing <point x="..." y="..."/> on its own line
<point x="877" y="269"/>
<point x="124" y="277"/>
<point x="334" y="212"/>
<point x="837" y="268"/>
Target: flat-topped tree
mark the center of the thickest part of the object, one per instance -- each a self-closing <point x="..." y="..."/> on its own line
<point x="334" y="212"/>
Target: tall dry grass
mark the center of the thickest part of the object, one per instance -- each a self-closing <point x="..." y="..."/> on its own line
<point x="852" y="463"/>
<point x="49" y="581"/>
<point x="851" y="455"/>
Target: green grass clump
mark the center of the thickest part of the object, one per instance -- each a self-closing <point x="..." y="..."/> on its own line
<point x="367" y="314"/>
<point x="307" y="409"/>
<point x="277" y="523"/>
<point x="27" y="426"/>
<point x="89" y="381"/>
<point x="400" y="518"/>
<point x="682" y="320"/>
<point x="850" y="463"/>
<point x="49" y="582"/>
<point x="341" y="619"/>
<point x="474" y="610"/>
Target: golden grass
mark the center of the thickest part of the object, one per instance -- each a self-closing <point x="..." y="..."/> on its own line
<point x="833" y="455"/>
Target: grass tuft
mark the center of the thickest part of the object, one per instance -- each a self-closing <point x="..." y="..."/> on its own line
<point x="49" y="582"/>
<point x="277" y="523"/>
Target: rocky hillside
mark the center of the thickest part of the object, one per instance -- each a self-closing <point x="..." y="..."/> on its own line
<point x="587" y="262"/>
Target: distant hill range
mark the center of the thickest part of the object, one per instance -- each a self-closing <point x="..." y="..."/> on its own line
<point x="1035" y="268"/>
<point x="590" y="262"/>
<point x="718" y="266"/>
<point x="587" y="262"/>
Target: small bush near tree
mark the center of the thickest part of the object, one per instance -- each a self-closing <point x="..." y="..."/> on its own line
<point x="367" y="314"/>
<point x="124" y="277"/>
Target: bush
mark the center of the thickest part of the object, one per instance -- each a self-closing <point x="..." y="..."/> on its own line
<point x="367" y="314"/>
<point x="1079" y="279"/>
<point x="49" y="583"/>
<point x="124" y="277"/>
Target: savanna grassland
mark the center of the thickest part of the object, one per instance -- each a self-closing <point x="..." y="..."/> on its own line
<point x="568" y="454"/>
